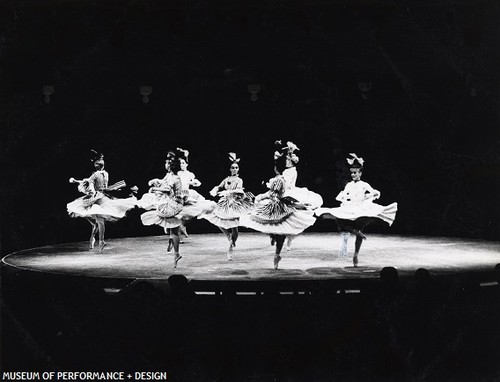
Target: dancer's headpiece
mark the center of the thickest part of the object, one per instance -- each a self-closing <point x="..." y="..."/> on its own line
<point x="233" y="158"/>
<point x="288" y="149"/>
<point x="171" y="155"/>
<point x="96" y="157"/>
<point x="354" y="161"/>
<point x="184" y="154"/>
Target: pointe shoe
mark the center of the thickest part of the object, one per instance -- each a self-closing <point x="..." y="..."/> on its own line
<point x="176" y="260"/>
<point x="355" y="261"/>
<point x="101" y="246"/>
<point x="92" y="242"/>
<point x="276" y="261"/>
<point x="170" y="245"/>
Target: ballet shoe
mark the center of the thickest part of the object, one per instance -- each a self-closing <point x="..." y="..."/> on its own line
<point x="276" y="261"/>
<point x="176" y="260"/>
<point x="229" y="257"/>
<point x="101" y="246"/>
<point x="170" y="245"/>
<point x="92" y="243"/>
<point x="355" y="261"/>
<point x="181" y="241"/>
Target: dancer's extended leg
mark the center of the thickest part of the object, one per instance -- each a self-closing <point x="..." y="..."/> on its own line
<point x="183" y="230"/>
<point x="289" y="242"/>
<point x="94" y="231"/>
<point x="280" y="240"/>
<point x="101" y="228"/>
<point x="344" y="238"/>
<point x="175" y="242"/>
<point x="234" y="235"/>
<point x="228" y="234"/>
<point x="357" y="246"/>
<point x="168" y="232"/>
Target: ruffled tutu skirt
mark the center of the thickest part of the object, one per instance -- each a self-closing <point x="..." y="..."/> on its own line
<point x="306" y="197"/>
<point x="278" y="217"/>
<point x="192" y="196"/>
<point x="102" y="207"/>
<point x="356" y="211"/>
<point x="169" y="213"/>
<point x="229" y="209"/>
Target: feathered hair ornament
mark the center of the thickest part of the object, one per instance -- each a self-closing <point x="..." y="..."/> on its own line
<point x="355" y="161"/>
<point x="95" y="156"/>
<point x="290" y="148"/>
<point x="170" y="155"/>
<point x="233" y="158"/>
<point x="184" y="153"/>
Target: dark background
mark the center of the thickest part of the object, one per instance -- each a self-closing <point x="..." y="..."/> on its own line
<point x="412" y="87"/>
<point x="427" y="124"/>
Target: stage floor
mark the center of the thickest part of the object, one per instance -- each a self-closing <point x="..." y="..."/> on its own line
<point x="313" y="256"/>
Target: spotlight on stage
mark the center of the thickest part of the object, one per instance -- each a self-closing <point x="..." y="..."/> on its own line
<point x="253" y="89"/>
<point x="48" y="90"/>
<point x="145" y="92"/>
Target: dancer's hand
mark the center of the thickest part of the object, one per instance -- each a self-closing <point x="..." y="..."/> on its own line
<point x="213" y="191"/>
<point x="154" y="182"/>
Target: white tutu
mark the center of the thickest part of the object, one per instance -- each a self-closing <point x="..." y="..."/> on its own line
<point x="306" y="197"/>
<point x="278" y="214"/>
<point x="223" y="223"/>
<point x="230" y="207"/>
<point x="293" y="224"/>
<point x="165" y="211"/>
<point x="354" y="211"/>
<point x="109" y="209"/>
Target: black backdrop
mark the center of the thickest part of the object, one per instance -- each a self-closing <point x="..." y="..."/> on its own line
<point x="411" y="88"/>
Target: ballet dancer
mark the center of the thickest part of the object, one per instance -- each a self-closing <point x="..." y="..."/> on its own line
<point x="188" y="180"/>
<point x="98" y="205"/>
<point x="309" y="199"/>
<point x="232" y="204"/>
<point x="357" y="208"/>
<point x="165" y="203"/>
<point x="276" y="214"/>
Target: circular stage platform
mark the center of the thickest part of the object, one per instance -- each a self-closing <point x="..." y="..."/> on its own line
<point x="313" y="256"/>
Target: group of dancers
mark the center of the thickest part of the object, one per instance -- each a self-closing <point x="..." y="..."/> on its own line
<point x="282" y="212"/>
